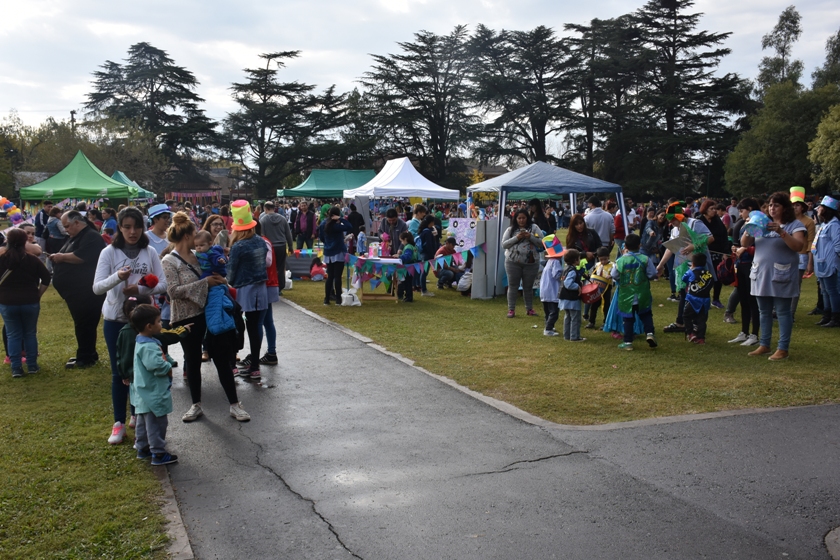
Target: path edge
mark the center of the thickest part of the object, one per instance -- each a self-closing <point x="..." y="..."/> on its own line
<point x="179" y="541"/>
<point x="832" y="543"/>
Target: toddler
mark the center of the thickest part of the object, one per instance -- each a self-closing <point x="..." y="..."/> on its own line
<point x="698" y="284"/>
<point x="550" y="285"/>
<point x="318" y="272"/>
<point x="571" y="282"/>
<point x="603" y="268"/>
<point x="212" y="260"/>
<point x="408" y="255"/>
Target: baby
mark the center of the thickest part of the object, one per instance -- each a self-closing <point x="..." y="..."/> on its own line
<point x="210" y="257"/>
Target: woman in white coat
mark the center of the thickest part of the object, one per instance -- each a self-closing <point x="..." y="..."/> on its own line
<point x="123" y="271"/>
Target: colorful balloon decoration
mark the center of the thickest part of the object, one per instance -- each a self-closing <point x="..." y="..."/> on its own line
<point x="12" y="212"/>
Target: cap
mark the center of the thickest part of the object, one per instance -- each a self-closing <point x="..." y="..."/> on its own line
<point x="830" y="203"/>
<point x="158" y="209"/>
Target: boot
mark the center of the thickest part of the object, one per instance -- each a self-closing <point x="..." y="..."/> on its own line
<point x="759" y="351"/>
<point x="826" y="318"/>
<point x="835" y="321"/>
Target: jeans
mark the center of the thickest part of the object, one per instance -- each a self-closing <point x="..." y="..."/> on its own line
<point x="150" y="432"/>
<point x="22" y="329"/>
<point x="646" y="318"/>
<point x="765" y="309"/>
<point x="749" y="305"/>
<point x="830" y="290"/>
<point x="695" y="321"/>
<point x="525" y="273"/>
<point x="270" y="330"/>
<point x="571" y="324"/>
<point x="86" y="312"/>
<point x="446" y="277"/>
<point x="301" y="241"/>
<point x="552" y="312"/>
<point x="119" y="391"/>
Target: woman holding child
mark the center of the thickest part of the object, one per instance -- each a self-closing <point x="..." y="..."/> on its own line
<point x="188" y="295"/>
<point x="774" y="279"/>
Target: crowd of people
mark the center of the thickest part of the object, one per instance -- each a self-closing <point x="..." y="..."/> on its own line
<point x="173" y="274"/>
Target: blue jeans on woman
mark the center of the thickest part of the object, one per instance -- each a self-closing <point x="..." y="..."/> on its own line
<point x="765" y="314"/>
<point x="831" y="295"/>
<point x="22" y="330"/>
<point x="270" y="331"/>
<point x="119" y="391"/>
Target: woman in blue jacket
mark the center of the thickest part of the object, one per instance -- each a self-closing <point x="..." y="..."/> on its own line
<point x="332" y="231"/>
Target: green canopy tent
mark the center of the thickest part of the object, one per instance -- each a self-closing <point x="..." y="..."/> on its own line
<point x="142" y="194"/>
<point x="80" y="179"/>
<point x="329" y="183"/>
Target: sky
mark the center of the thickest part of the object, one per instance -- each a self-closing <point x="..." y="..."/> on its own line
<point x="51" y="47"/>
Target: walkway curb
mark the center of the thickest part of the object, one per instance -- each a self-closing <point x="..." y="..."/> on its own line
<point x="179" y="542"/>
<point x="832" y="543"/>
<point x="529" y="418"/>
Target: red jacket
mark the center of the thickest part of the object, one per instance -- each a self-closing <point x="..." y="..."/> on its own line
<point x="272" y="281"/>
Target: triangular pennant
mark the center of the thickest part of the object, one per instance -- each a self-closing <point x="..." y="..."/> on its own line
<point x="378" y="268"/>
<point x="401" y="273"/>
<point x="387" y="282"/>
<point x="448" y="259"/>
<point x="418" y="268"/>
<point x="426" y="266"/>
<point x="411" y="270"/>
<point x="474" y="251"/>
<point x="439" y="262"/>
<point x="374" y="282"/>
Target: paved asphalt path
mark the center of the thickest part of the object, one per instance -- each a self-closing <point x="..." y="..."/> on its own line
<point x="352" y="453"/>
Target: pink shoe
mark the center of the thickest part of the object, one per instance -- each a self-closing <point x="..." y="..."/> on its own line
<point x="7" y="361"/>
<point x="616" y="335"/>
<point x="511" y="315"/>
<point x="532" y="313"/>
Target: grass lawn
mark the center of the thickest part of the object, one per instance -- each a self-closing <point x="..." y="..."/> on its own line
<point x="593" y="382"/>
<point x="66" y="493"/>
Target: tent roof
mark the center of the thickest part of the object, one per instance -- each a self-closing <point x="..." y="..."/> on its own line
<point x="142" y="194"/>
<point x="543" y="177"/>
<point x="80" y="179"/>
<point x="329" y="183"/>
<point x="400" y="178"/>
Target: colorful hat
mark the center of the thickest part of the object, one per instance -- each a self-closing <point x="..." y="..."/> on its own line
<point x="158" y="209"/>
<point x="553" y="247"/>
<point x="242" y="217"/>
<point x="675" y="211"/>
<point x="797" y="194"/>
<point x="756" y="226"/>
<point x="830" y="203"/>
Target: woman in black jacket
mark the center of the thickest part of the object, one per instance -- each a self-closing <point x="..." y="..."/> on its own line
<point x="720" y="247"/>
<point x="428" y="247"/>
<point x="584" y="239"/>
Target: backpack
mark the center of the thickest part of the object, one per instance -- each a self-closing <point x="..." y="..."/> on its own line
<point x="726" y="271"/>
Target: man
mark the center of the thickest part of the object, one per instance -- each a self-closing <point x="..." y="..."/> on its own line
<point x="601" y="221"/>
<point x="173" y="206"/>
<point x="215" y="207"/>
<point x="159" y="220"/>
<point x="356" y="220"/>
<point x="74" y="268"/>
<point x="393" y="226"/>
<point x="41" y="219"/>
<point x="806" y="257"/>
<point x="292" y="214"/>
<point x="450" y="273"/>
<point x="276" y="229"/>
<point x="305" y="226"/>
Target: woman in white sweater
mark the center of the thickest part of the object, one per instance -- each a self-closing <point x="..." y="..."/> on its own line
<point x="120" y="272"/>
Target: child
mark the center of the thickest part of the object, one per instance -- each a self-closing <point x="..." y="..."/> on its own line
<point x="408" y="255"/>
<point x="317" y="273"/>
<point x="571" y="282"/>
<point x="210" y="257"/>
<point x="212" y="260"/>
<point x="698" y="285"/>
<point x="550" y="284"/>
<point x="602" y="269"/>
<point x="361" y="243"/>
<point x="126" y="342"/>
<point x="633" y="273"/>
<point x="152" y="387"/>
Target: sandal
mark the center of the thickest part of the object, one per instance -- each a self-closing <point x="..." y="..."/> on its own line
<point x="673" y="327"/>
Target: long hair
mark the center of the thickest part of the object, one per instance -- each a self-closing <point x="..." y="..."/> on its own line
<point x="241" y="235"/>
<point x="330" y="225"/>
<point x="572" y="236"/>
<point x="539" y="214"/>
<point x="208" y="223"/>
<point x="514" y="224"/>
<point x="130" y="213"/>
<point x="783" y="199"/>
<point x="16" y="247"/>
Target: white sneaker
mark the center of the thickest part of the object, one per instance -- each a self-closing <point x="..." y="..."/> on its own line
<point x="239" y="413"/>
<point x="427" y="294"/>
<point x="551" y="333"/>
<point x="193" y="413"/>
<point x="117" y="433"/>
<point x="740" y="338"/>
<point x="132" y="423"/>
<point x="752" y="340"/>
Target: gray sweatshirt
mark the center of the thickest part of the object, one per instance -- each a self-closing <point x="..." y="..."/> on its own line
<point x="276" y="228"/>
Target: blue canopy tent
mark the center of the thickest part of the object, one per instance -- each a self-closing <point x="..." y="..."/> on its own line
<point x="541" y="177"/>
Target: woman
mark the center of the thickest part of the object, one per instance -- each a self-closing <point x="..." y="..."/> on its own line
<point x="188" y="295"/>
<point x="774" y="272"/>
<point x="119" y="270"/>
<point x="216" y="226"/>
<point x="23" y="280"/>
<point x="582" y="238"/>
<point x="57" y="235"/>
<point x="428" y="247"/>
<point x="332" y="231"/>
<point x="718" y="248"/>
<point x="537" y="214"/>
<point x="653" y="234"/>
<point x="224" y="212"/>
<point x="743" y="291"/>
<point x="31" y="246"/>
<point x="827" y="260"/>
<point x="249" y="257"/>
<point x="521" y="242"/>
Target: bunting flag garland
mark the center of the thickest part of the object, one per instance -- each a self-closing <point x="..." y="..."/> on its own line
<point x="374" y="283"/>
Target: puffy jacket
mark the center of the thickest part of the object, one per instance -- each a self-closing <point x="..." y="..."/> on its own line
<point x="219" y="310"/>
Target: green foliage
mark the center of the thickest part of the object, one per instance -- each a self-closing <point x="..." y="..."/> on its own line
<point x="829" y="73"/>
<point x="773" y="154"/>
<point x="824" y="151"/>
<point x="780" y="68"/>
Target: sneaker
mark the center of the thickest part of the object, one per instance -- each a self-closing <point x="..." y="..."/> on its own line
<point x="577" y="340"/>
<point x="673" y="328"/>
<point x="440" y="286"/>
<point x="674" y="298"/>
<point x="160" y="459"/>
<point x="193" y="413"/>
<point x="254" y="373"/>
<point x="651" y="340"/>
<point x="550" y="333"/>
<point x="616" y="335"/>
<point x="427" y="294"/>
<point x="454" y="285"/>
<point x="132" y="422"/>
<point x="531" y="313"/>
<point x="244" y="364"/>
<point x="17" y="373"/>
<point x="239" y="413"/>
<point x="589" y="326"/>
<point x="751" y="340"/>
<point x="117" y="433"/>
<point x="742" y="336"/>
<point x="33" y="369"/>
<point x="698" y="340"/>
<point x="625" y="346"/>
<point x="269" y="359"/>
<point x="692" y="337"/>
<point x="241" y="372"/>
<point x="144" y="453"/>
<point x="511" y="314"/>
<point x="729" y="318"/>
<point x="814" y="311"/>
<point x="717" y="304"/>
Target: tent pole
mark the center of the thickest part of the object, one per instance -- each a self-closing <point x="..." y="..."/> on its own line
<point x="502" y="216"/>
<point x="620" y="196"/>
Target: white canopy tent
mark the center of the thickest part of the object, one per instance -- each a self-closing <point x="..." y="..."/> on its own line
<point x="400" y="178"/>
